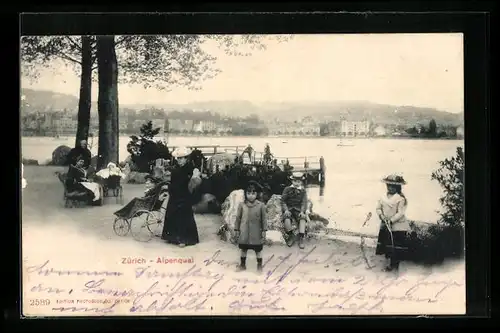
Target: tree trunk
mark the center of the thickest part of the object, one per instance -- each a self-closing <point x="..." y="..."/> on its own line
<point x="107" y="101"/>
<point x="84" y="103"/>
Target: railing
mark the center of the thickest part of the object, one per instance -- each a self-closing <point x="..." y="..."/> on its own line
<point x="302" y="163"/>
<point x="215" y="149"/>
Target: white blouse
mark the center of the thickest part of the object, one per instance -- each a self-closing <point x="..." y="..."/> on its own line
<point x="393" y="207"/>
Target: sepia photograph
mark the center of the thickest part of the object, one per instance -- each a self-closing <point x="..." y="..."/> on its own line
<point x="242" y="175"/>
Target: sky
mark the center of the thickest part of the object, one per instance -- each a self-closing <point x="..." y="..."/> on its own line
<point x="424" y="70"/>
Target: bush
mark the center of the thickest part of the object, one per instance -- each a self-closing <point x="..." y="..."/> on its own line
<point x="145" y="150"/>
<point x="450" y="231"/>
<point x="451" y="178"/>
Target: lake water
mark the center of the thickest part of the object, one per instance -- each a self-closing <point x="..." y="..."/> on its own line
<point x="353" y="173"/>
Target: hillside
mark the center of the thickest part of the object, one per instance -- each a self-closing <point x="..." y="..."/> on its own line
<point x="359" y="110"/>
<point x="45" y="99"/>
<point x="321" y="111"/>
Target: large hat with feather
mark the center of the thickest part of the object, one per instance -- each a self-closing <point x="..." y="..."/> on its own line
<point x="181" y="152"/>
<point x="394" y="179"/>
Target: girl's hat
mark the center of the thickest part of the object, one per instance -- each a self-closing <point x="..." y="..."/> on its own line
<point x="181" y="152"/>
<point x="394" y="180"/>
<point x="297" y="176"/>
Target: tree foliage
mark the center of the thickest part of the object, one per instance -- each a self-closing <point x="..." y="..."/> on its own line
<point x="432" y="131"/>
<point x="159" y="61"/>
<point x="145" y="150"/>
<point x="42" y="52"/>
<point x="450" y="176"/>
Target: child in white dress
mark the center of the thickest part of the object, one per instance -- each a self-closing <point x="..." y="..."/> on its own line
<point x="391" y="209"/>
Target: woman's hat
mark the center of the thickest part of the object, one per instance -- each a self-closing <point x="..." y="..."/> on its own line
<point x="181" y="152"/>
<point x="394" y="180"/>
<point x="297" y="176"/>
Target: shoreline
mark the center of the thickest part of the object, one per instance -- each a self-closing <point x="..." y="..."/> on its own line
<point x="273" y="136"/>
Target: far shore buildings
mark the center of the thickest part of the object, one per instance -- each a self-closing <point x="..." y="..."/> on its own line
<point x="379" y="131"/>
<point x="354" y="128"/>
<point x="304" y="127"/>
<point x="203" y="126"/>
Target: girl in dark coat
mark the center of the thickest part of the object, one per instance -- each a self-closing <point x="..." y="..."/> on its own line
<point x="180" y="226"/>
<point x="251" y="225"/>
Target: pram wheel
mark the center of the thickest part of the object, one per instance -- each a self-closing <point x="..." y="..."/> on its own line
<point x="121" y="227"/>
<point x="142" y="224"/>
<point x="155" y="226"/>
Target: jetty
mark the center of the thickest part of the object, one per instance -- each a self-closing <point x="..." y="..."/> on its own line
<point x="313" y="167"/>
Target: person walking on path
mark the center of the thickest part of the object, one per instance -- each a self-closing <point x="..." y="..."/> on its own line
<point x="179" y="225"/>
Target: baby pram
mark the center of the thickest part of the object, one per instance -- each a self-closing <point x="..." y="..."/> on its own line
<point x="143" y="217"/>
<point x="112" y="187"/>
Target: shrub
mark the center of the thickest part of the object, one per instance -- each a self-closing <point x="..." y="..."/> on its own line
<point x="450" y="176"/>
<point x="431" y="243"/>
<point x="145" y="150"/>
<point x="448" y="235"/>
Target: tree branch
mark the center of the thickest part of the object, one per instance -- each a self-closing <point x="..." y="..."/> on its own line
<point x="92" y="61"/>
<point x="75" y="44"/>
<point x="123" y="39"/>
<point x="65" y="56"/>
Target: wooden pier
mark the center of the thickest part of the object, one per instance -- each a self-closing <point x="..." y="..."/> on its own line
<point x="313" y="167"/>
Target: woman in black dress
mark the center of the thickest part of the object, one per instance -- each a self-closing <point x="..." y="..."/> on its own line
<point x="76" y="175"/>
<point x="180" y="227"/>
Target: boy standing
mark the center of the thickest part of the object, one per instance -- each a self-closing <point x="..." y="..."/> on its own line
<point x="294" y="207"/>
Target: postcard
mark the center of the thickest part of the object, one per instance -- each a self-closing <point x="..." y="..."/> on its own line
<point x="175" y="175"/>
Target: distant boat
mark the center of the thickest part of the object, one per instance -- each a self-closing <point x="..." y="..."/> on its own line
<point x="284" y="141"/>
<point x="345" y="144"/>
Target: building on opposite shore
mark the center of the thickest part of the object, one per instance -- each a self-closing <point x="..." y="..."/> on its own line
<point x="354" y="128"/>
<point x="379" y="131"/>
<point x="158" y="123"/>
<point x="180" y="125"/>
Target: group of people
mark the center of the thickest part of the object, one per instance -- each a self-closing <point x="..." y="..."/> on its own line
<point x="250" y="228"/>
<point x="77" y="181"/>
<point x="251" y="224"/>
<point x="79" y="177"/>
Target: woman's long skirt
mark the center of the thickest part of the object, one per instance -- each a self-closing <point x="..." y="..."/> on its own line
<point x="400" y="251"/>
<point x="180" y="226"/>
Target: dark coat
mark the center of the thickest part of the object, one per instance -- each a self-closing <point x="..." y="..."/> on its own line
<point x="74" y="177"/>
<point x="180" y="225"/>
<point x="251" y="222"/>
